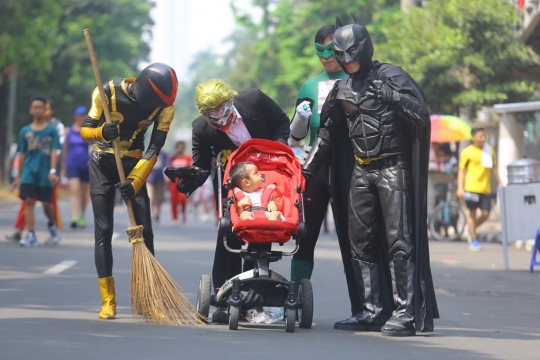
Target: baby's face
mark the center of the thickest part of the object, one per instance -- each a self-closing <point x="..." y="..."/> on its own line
<point x="255" y="179"/>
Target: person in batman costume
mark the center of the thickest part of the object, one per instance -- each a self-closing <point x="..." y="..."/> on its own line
<point x="135" y="104"/>
<point x="384" y="113"/>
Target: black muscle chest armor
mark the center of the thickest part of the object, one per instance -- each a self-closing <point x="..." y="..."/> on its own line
<point x="374" y="130"/>
<point x="133" y="119"/>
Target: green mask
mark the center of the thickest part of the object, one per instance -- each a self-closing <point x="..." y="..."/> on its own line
<point x="325" y="51"/>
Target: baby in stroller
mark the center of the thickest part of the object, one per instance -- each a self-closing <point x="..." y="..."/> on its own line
<point x="270" y="171"/>
<point x="252" y="196"/>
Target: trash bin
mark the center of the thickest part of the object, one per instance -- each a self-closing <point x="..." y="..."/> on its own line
<point x="520" y="202"/>
<point x="524" y="171"/>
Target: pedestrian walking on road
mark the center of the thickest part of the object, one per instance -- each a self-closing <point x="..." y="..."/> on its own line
<point x="156" y="185"/>
<point x="20" y="222"/>
<point x="476" y="165"/>
<point x="37" y="144"/>
<point x="50" y="110"/>
<point x="75" y="168"/>
<point x="203" y="203"/>
<point x="177" y="199"/>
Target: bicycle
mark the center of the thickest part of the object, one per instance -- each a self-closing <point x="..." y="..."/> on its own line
<point x="447" y="216"/>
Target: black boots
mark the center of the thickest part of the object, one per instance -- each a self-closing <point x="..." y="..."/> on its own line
<point x="402" y="321"/>
<point x="369" y="319"/>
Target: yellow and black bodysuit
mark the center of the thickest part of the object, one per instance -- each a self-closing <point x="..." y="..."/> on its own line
<point x="133" y="123"/>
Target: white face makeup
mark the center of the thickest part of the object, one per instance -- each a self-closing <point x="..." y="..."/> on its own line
<point x="222" y="117"/>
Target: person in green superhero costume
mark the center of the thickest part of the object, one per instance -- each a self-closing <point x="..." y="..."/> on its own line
<point x="333" y="179"/>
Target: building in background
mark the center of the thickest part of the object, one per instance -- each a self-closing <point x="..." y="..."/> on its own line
<point x="519" y="123"/>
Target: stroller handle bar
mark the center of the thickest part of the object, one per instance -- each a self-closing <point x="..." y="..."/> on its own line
<point x="219" y="166"/>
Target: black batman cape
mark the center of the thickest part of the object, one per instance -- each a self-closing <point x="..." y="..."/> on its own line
<point x="425" y="304"/>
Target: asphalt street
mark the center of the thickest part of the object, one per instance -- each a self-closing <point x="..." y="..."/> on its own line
<point x="49" y="311"/>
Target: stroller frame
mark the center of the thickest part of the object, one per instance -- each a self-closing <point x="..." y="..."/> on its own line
<point x="297" y="305"/>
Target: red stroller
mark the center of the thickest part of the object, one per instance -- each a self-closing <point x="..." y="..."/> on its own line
<point x="262" y="286"/>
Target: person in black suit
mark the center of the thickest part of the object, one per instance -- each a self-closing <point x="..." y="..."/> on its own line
<point x="227" y="120"/>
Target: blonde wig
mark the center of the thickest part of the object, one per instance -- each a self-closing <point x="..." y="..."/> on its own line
<point x="211" y="94"/>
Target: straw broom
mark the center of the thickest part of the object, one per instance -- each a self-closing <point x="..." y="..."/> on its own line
<point x="155" y="296"/>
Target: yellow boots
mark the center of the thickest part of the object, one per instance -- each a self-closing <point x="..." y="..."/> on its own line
<point x="108" y="302"/>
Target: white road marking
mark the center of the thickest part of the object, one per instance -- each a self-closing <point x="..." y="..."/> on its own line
<point x="58" y="268"/>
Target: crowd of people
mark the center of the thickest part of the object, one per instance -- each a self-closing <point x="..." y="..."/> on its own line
<point x="368" y="127"/>
<point x="38" y="174"/>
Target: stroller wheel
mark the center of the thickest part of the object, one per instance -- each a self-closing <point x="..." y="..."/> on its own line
<point x="290" y="319"/>
<point x="204" y="296"/>
<point x="234" y="317"/>
<point x="305" y="297"/>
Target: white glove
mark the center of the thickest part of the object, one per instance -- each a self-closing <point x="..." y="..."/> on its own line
<point x="303" y="110"/>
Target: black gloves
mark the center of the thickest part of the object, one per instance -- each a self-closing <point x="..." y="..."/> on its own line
<point x="190" y="178"/>
<point x="188" y="185"/>
<point x="381" y="93"/>
<point x="126" y="189"/>
<point x="110" y="130"/>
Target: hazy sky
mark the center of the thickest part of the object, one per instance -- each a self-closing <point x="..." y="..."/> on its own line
<point x="185" y="27"/>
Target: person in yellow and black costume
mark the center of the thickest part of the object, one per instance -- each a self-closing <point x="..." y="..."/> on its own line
<point x="135" y="104"/>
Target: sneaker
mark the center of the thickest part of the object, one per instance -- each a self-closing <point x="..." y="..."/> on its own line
<point x="55" y="235"/>
<point x="14" y="237"/>
<point x="475" y="245"/>
<point x="82" y="223"/>
<point x="73" y="225"/>
<point x="29" y="241"/>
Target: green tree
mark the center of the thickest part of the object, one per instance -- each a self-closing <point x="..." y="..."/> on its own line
<point x="27" y="33"/>
<point x="45" y="39"/>
<point x="26" y="37"/>
<point x="277" y="53"/>
<point x="205" y="66"/>
<point x="117" y="29"/>
<point x="463" y="53"/>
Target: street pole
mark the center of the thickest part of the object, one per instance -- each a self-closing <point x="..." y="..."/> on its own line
<point x="504" y="233"/>
<point x="10" y="121"/>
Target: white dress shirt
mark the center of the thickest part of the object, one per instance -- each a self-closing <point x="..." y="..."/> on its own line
<point x="238" y="133"/>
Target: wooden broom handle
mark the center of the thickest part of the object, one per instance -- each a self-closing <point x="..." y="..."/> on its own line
<point x="105" y="107"/>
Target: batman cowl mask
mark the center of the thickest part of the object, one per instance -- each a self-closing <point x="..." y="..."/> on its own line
<point x="353" y="43"/>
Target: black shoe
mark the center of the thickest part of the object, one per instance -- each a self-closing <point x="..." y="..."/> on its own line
<point x="360" y="322"/>
<point x="402" y="321"/>
<point x="220" y="316"/>
<point x="14" y="237"/>
<point x="73" y="225"/>
<point x="398" y="328"/>
<point x="367" y="280"/>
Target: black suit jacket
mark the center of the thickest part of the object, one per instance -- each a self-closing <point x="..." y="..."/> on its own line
<point x="263" y="118"/>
